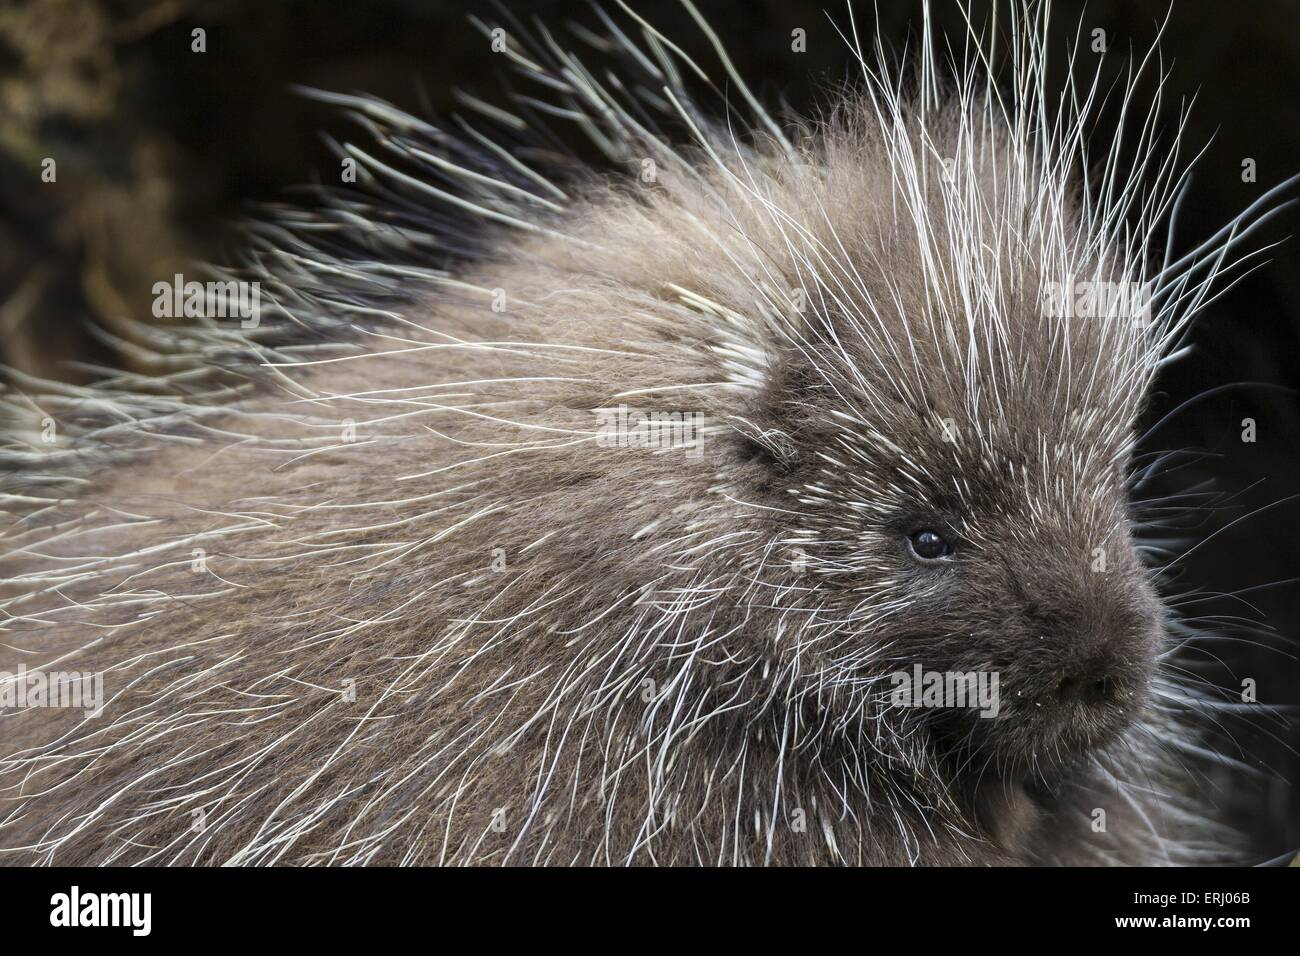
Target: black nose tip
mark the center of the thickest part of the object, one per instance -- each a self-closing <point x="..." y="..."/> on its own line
<point x="1089" y="689"/>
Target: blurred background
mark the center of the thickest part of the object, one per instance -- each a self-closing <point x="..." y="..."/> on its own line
<point x="160" y="150"/>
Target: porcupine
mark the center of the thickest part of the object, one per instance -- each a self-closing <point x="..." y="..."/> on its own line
<point x="370" y="583"/>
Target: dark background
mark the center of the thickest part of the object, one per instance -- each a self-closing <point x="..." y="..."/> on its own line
<point x="161" y="150"/>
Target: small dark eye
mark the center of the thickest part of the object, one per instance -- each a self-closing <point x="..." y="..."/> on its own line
<point x="929" y="546"/>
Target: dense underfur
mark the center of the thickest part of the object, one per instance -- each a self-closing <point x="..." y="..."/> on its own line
<point x="387" y="595"/>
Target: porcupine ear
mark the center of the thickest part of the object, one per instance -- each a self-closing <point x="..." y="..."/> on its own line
<point x="787" y="412"/>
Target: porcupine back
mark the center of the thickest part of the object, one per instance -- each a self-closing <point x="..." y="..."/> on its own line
<point x="382" y="591"/>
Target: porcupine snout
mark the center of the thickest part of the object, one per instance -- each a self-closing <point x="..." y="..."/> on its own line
<point x="1089" y="636"/>
<point x="1104" y="655"/>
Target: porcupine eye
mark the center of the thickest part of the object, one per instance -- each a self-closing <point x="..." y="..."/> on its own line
<point x="929" y="545"/>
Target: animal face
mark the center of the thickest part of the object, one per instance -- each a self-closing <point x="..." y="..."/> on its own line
<point x="947" y="426"/>
<point x="968" y="518"/>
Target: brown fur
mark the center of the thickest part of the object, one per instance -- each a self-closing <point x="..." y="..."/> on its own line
<point x="564" y="652"/>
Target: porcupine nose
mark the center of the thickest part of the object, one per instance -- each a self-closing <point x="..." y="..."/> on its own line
<point x="1100" y="641"/>
<point x="1105" y="672"/>
<point x="1090" y="686"/>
